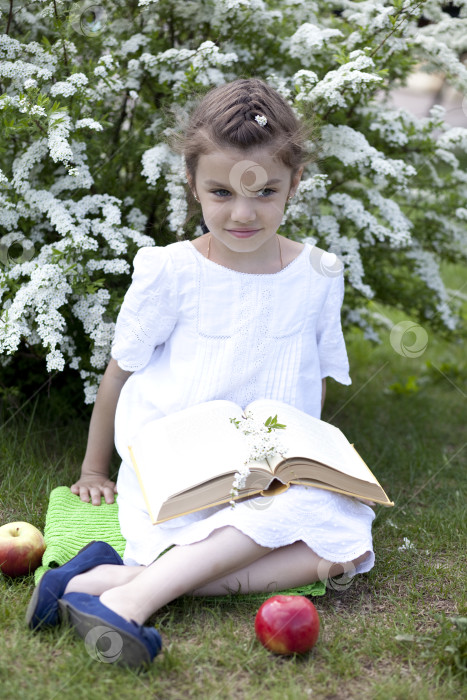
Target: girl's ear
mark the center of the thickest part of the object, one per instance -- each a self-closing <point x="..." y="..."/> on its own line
<point x="190" y="181"/>
<point x="295" y="180"/>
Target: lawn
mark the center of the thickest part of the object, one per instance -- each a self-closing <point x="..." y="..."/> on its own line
<point x="396" y="632"/>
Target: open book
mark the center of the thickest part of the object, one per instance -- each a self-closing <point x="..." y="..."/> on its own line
<point x="187" y="460"/>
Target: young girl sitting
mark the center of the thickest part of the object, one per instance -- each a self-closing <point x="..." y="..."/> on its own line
<point x="239" y="313"/>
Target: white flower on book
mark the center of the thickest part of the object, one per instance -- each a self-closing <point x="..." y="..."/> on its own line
<point x="262" y="443"/>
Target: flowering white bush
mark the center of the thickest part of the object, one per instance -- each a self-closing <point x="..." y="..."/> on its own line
<point x="88" y="91"/>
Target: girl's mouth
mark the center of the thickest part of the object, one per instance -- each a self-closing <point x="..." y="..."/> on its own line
<point x="243" y="233"/>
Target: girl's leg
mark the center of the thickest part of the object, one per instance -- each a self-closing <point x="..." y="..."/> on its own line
<point x="286" y="567"/>
<point x="182" y="570"/>
<point x="99" y="579"/>
<point x="224" y="559"/>
<point x="103" y="578"/>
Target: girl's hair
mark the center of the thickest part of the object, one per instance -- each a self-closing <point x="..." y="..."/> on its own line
<point x="225" y="118"/>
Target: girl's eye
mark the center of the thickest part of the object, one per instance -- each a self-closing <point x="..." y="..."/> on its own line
<point x="266" y="192"/>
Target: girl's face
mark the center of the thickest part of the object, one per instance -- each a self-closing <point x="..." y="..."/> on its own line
<point x="243" y="195"/>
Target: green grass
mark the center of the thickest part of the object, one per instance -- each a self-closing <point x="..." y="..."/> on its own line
<point x="396" y="632"/>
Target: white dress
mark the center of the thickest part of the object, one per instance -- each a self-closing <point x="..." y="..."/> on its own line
<point x="191" y="330"/>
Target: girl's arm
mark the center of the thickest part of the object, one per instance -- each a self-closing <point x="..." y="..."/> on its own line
<point x="94" y="481"/>
<point x="323" y="392"/>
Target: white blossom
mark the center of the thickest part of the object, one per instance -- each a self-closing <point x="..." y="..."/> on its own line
<point x="352" y="148"/>
<point x="153" y="160"/>
<point x="89" y="310"/>
<point x="303" y="81"/>
<point x="89" y="123"/>
<point x="23" y="164"/>
<point x="78" y="79"/>
<point x="338" y="85"/>
<point x="58" y="132"/>
<point x="114" y="266"/>
<point x="176" y="189"/>
<point x="206" y="61"/>
<point x="449" y="30"/>
<point x="308" y="38"/>
<point x="281" y="84"/>
<point x="225" y="12"/>
<point x="444" y="58"/>
<point x="55" y="360"/>
<point x="390" y="124"/>
<point x="427" y="268"/>
<point x="455" y="137"/>
<point x="406" y="545"/>
<point x="399" y="225"/>
<point x="69" y="86"/>
<point x="91" y="382"/>
<point x="345" y="248"/>
<point x="132" y="44"/>
<point x="261" y="442"/>
<point x="309" y="192"/>
<point x="365" y="320"/>
<point x="371" y="14"/>
<point x="136" y="219"/>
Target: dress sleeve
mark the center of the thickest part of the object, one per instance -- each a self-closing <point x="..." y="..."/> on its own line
<point x="331" y="345"/>
<point x="149" y="309"/>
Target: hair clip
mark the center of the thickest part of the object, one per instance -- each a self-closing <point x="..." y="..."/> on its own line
<point x="262" y="121"/>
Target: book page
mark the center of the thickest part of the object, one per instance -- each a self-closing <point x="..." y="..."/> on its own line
<point x="186" y="448"/>
<point x="306" y="436"/>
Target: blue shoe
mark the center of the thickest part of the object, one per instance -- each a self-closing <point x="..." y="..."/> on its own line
<point x="43" y="607"/>
<point x="126" y="643"/>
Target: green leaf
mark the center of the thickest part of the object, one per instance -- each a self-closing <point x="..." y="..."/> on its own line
<point x="272" y="424"/>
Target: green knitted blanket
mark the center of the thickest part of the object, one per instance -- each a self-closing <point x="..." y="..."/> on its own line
<point x="70" y="524"/>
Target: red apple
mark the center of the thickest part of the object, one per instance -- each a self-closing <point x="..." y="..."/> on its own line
<point x="21" y="548"/>
<point x="287" y="624"/>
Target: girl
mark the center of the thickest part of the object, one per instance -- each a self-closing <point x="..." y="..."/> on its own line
<point x="240" y="313"/>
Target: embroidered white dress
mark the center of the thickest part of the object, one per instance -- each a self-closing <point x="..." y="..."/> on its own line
<point x="191" y="330"/>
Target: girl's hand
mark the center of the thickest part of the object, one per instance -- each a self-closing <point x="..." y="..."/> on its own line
<point x="92" y="487"/>
<point x="94" y="481"/>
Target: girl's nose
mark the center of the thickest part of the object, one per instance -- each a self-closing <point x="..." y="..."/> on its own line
<point x="243" y="209"/>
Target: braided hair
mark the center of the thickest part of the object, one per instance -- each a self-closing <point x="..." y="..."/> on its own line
<point x="244" y="114"/>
